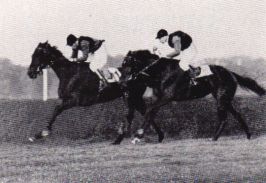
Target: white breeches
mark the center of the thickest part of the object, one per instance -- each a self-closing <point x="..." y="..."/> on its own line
<point x="188" y="57"/>
<point x="98" y="59"/>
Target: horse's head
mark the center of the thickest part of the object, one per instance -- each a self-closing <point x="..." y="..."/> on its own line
<point x="41" y="58"/>
<point x="130" y="65"/>
<point x="134" y="62"/>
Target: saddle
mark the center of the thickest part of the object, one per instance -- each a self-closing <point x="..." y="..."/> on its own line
<point x="114" y="76"/>
<point x="198" y="72"/>
<point x="201" y="71"/>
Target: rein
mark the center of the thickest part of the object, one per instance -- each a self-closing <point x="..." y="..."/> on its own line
<point x="142" y="72"/>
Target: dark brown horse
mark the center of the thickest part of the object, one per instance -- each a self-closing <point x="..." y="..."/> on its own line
<point x="78" y="85"/>
<point x="170" y="83"/>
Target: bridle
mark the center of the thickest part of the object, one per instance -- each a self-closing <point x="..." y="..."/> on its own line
<point x="44" y="66"/>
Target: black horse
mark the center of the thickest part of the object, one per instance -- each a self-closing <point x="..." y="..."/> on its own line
<point x="78" y="85"/>
<point x="170" y="83"/>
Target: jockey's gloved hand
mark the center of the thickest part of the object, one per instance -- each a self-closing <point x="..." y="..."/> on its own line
<point x="79" y="62"/>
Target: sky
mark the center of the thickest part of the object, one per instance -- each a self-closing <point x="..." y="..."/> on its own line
<point x="219" y="28"/>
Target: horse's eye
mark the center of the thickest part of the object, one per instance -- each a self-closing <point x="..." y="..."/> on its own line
<point x="42" y="50"/>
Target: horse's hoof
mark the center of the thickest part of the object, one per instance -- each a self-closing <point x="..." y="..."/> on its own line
<point x="31" y="139"/>
<point x="248" y="136"/>
<point x="135" y="140"/>
<point x="115" y="143"/>
<point x="40" y="135"/>
<point x="161" y="137"/>
<point x="128" y="135"/>
<point x="214" y="139"/>
<point x="45" y="133"/>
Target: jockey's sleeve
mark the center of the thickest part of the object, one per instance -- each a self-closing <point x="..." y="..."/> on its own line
<point x="84" y="56"/>
<point x="177" y="46"/>
<point x="74" y="53"/>
<point x="154" y="49"/>
<point x="85" y="48"/>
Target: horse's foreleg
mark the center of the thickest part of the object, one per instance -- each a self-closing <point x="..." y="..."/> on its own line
<point x="149" y="120"/>
<point x="134" y="103"/>
<point x="57" y="111"/>
<point x="156" y="127"/>
<point x="222" y="115"/>
<point x="122" y="130"/>
<point x="130" y="117"/>
<point x="121" y="133"/>
<point x="140" y="132"/>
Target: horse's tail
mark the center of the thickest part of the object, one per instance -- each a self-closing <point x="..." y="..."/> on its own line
<point x="248" y="83"/>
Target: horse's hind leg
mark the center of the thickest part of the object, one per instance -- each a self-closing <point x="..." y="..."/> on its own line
<point x="223" y="102"/>
<point x="222" y="115"/>
<point x="239" y="118"/>
<point x="156" y="127"/>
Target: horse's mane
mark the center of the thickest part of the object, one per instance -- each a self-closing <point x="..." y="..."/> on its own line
<point x="144" y="55"/>
<point x="153" y="63"/>
<point x="55" y="51"/>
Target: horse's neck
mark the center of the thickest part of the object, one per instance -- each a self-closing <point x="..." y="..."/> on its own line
<point x="156" y="67"/>
<point x="60" y="67"/>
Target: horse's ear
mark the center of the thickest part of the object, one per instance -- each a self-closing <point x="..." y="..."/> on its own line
<point x="47" y="44"/>
<point x="129" y="53"/>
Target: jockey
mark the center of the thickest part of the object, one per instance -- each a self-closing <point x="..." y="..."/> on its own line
<point x="178" y="46"/>
<point x="92" y="50"/>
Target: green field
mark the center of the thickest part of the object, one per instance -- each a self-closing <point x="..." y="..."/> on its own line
<point x="79" y="149"/>
<point x="188" y="160"/>
<point x="194" y="119"/>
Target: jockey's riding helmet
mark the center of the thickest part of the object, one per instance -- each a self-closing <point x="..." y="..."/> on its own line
<point x="161" y="33"/>
<point x="71" y="39"/>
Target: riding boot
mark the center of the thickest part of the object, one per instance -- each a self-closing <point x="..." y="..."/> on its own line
<point x="193" y="82"/>
<point x="192" y="76"/>
<point x="103" y="84"/>
<point x="193" y="73"/>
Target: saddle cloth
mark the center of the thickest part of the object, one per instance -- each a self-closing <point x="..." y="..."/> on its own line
<point x="205" y="71"/>
<point x="115" y="74"/>
<point x="148" y="93"/>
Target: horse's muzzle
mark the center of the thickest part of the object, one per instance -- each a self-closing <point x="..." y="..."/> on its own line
<point x="32" y="73"/>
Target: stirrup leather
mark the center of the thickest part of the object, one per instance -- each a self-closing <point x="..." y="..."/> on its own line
<point x="103" y="79"/>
